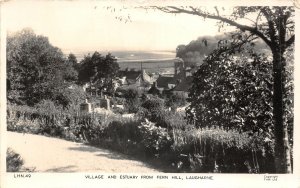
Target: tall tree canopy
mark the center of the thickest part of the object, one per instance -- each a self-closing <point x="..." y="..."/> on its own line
<point x="72" y="60"/>
<point x="36" y="70"/>
<point x="275" y="26"/>
<point x="99" y="71"/>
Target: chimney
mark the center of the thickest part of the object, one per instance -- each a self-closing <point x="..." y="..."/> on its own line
<point x="155" y="84"/>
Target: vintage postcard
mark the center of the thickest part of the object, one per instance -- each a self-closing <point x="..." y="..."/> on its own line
<point x="149" y="93"/>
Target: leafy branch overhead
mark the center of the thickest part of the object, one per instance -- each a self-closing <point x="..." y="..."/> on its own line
<point x="275" y="26"/>
<point x="277" y="19"/>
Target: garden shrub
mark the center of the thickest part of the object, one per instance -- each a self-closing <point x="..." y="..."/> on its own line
<point x="174" y="101"/>
<point x="70" y="98"/>
<point x="117" y="110"/>
<point x="132" y="102"/>
<point x="36" y="120"/>
<point x="156" y="140"/>
<point x="119" y="134"/>
<point x="233" y="92"/>
<point x="46" y="106"/>
<point x="180" y="146"/>
<point x="153" y="110"/>
<point x="219" y="150"/>
<point x="14" y="162"/>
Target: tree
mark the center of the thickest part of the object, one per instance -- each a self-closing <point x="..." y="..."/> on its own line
<point x="132" y="101"/>
<point x="236" y="92"/>
<point x="73" y="61"/>
<point x="36" y="70"/>
<point x="275" y="26"/>
<point x="99" y="71"/>
<point x="86" y="70"/>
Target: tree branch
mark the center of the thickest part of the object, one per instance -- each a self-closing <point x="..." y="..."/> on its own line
<point x="194" y="11"/>
<point x="258" y="16"/>
<point x="232" y="47"/>
<point x="267" y="15"/>
<point x="216" y="8"/>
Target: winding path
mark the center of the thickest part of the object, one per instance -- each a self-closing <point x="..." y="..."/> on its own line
<point x="47" y="154"/>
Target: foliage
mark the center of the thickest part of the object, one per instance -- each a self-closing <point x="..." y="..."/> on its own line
<point x="71" y="97"/>
<point x="14" y="162"/>
<point x="182" y="150"/>
<point x="218" y="150"/>
<point x="236" y="92"/>
<point x="73" y="61"/>
<point x="100" y="71"/>
<point x="118" y="110"/>
<point x="36" y="70"/>
<point x="276" y="27"/>
<point x="153" y="110"/>
<point x="122" y="135"/>
<point x="48" y="106"/>
<point x="156" y="140"/>
<point x="174" y="101"/>
<point x="117" y="101"/>
<point x="132" y="101"/>
<point x="288" y="98"/>
<point x="37" y="120"/>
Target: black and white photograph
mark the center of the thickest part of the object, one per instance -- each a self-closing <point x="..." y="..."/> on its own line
<point x="134" y="91"/>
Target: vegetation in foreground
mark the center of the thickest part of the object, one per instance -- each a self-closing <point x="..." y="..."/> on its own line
<point x="180" y="148"/>
<point x="14" y="162"/>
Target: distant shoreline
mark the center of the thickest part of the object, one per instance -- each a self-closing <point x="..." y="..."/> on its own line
<point x="131" y="56"/>
<point x="145" y="60"/>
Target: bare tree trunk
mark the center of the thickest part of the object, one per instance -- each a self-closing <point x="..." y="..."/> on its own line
<point x="282" y="149"/>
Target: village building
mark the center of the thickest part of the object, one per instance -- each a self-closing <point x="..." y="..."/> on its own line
<point x="139" y="79"/>
<point x="183" y="87"/>
<point x="165" y="82"/>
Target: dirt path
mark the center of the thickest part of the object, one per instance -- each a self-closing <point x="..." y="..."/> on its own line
<point x="55" y="155"/>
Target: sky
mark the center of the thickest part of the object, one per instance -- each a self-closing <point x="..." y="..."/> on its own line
<point x="89" y="25"/>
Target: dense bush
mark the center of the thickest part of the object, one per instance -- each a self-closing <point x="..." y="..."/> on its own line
<point x="174" y="101"/>
<point x="14" y="162"/>
<point x="180" y="147"/>
<point x="132" y="102"/>
<point x="39" y="120"/>
<point x="236" y="92"/>
<point x="122" y="135"/>
<point x="117" y="110"/>
<point x="156" y="140"/>
<point x="218" y="150"/>
<point x="153" y="109"/>
<point x="70" y="97"/>
<point x="48" y="106"/>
